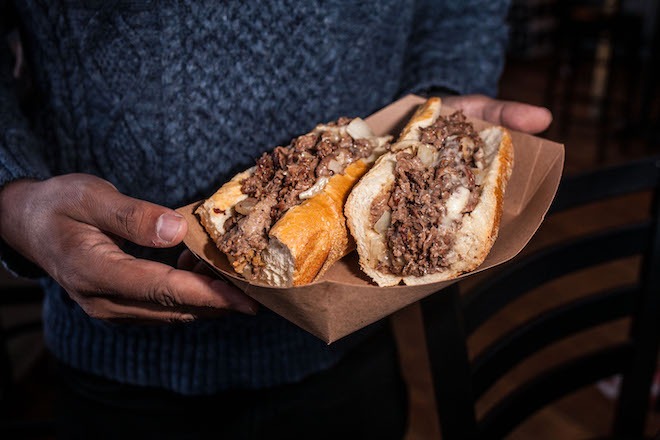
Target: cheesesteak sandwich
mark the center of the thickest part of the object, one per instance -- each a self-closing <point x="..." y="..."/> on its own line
<point x="429" y="210"/>
<point x="281" y="222"/>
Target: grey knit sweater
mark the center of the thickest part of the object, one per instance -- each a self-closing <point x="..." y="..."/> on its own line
<point x="168" y="99"/>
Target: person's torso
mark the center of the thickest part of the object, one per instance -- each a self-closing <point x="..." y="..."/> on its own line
<point x="169" y="99"/>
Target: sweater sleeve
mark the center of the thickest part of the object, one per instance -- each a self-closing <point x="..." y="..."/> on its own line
<point x="21" y="152"/>
<point x="457" y="45"/>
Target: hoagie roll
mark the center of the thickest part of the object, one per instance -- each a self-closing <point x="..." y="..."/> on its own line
<point x="429" y="210"/>
<point x="281" y="222"/>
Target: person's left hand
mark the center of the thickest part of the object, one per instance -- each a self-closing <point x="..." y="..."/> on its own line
<point x="514" y="115"/>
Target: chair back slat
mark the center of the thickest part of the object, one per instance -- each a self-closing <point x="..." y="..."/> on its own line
<point x="450" y="367"/>
<point x="547" y="328"/>
<point x="529" y="272"/>
<point x="607" y="183"/>
<point x="551" y="385"/>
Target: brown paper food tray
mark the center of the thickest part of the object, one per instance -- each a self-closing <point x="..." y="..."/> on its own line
<point x="344" y="300"/>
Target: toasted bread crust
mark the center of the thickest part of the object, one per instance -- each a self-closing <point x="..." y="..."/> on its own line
<point x="505" y="168"/>
<point x="315" y="231"/>
<point x="424" y="116"/>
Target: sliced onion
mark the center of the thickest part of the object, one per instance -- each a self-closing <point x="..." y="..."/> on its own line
<point x="317" y="188"/>
<point x="245" y="206"/>
<point x="426" y="154"/>
<point x="383" y="222"/>
<point x="382" y="145"/>
<point x="467" y="147"/>
<point x="335" y="166"/>
<point x="377" y="250"/>
<point x="479" y="158"/>
<point x="478" y="176"/>
<point x="467" y="144"/>
<point x="402" y="145"/>
<point x="452" y="143"/>
<point x="358" y="129"/>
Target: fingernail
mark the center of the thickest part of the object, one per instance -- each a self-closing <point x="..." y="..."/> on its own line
<point x="187" y="317"/>
<point x="237" y="299"/>
<point x="168" y="227"/>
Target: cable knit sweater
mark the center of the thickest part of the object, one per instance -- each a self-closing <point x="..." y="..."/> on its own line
<point x="168" y="99"/>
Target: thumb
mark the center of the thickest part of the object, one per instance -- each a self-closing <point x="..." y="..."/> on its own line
<point x="141" y="222"/>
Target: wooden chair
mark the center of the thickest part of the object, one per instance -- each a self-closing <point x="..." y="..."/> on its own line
<point x="450" y="318"/>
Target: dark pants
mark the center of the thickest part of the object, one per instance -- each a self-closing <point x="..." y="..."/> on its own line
<point x="362" y="397"/>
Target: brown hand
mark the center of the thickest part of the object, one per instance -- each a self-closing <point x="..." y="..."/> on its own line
<point x="69" y="224"/>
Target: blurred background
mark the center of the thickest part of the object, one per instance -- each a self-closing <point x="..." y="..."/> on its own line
<point x="595" y="65"/>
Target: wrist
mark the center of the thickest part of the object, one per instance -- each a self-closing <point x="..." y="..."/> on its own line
<point x="14" y="201"/>
<point x="13" y="196"/>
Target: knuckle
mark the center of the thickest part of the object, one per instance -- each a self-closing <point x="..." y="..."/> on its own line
<point x="129" y="218"/>
<point x="164" y="295"/>
<point x="78" y="191"/>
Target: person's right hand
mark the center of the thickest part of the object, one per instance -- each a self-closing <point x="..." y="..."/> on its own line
<point x="70" y="226"/>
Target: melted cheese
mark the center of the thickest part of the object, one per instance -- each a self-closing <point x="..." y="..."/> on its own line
<point x="455" y="205"/>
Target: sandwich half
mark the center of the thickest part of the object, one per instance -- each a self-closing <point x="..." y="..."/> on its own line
<point x="282" y="221"/>
<point x="429" y="210"/>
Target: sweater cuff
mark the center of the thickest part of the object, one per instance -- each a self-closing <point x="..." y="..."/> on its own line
<point x="16" y="164"/>
<point x="17" y="265"/>
<point x="15" y="160"/>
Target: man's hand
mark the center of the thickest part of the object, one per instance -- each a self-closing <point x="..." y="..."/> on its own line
<point x="70" y="226"/>
<point x="513" y="115"/>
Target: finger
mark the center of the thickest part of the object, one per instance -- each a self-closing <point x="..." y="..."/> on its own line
<point x="472" y="105"/>
<point x="515" y="115"/>
<point x="128" y="278"/>
<point x="141" y="222"/>
<point x="196" y="312"/>
<point x="518" y="116"/>
<point x="108" y="309"/>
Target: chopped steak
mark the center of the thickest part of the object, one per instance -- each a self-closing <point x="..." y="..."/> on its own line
<point x="423" y="223"/>
<point x="279" y="179"/>
<point x="378" y="207"/>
